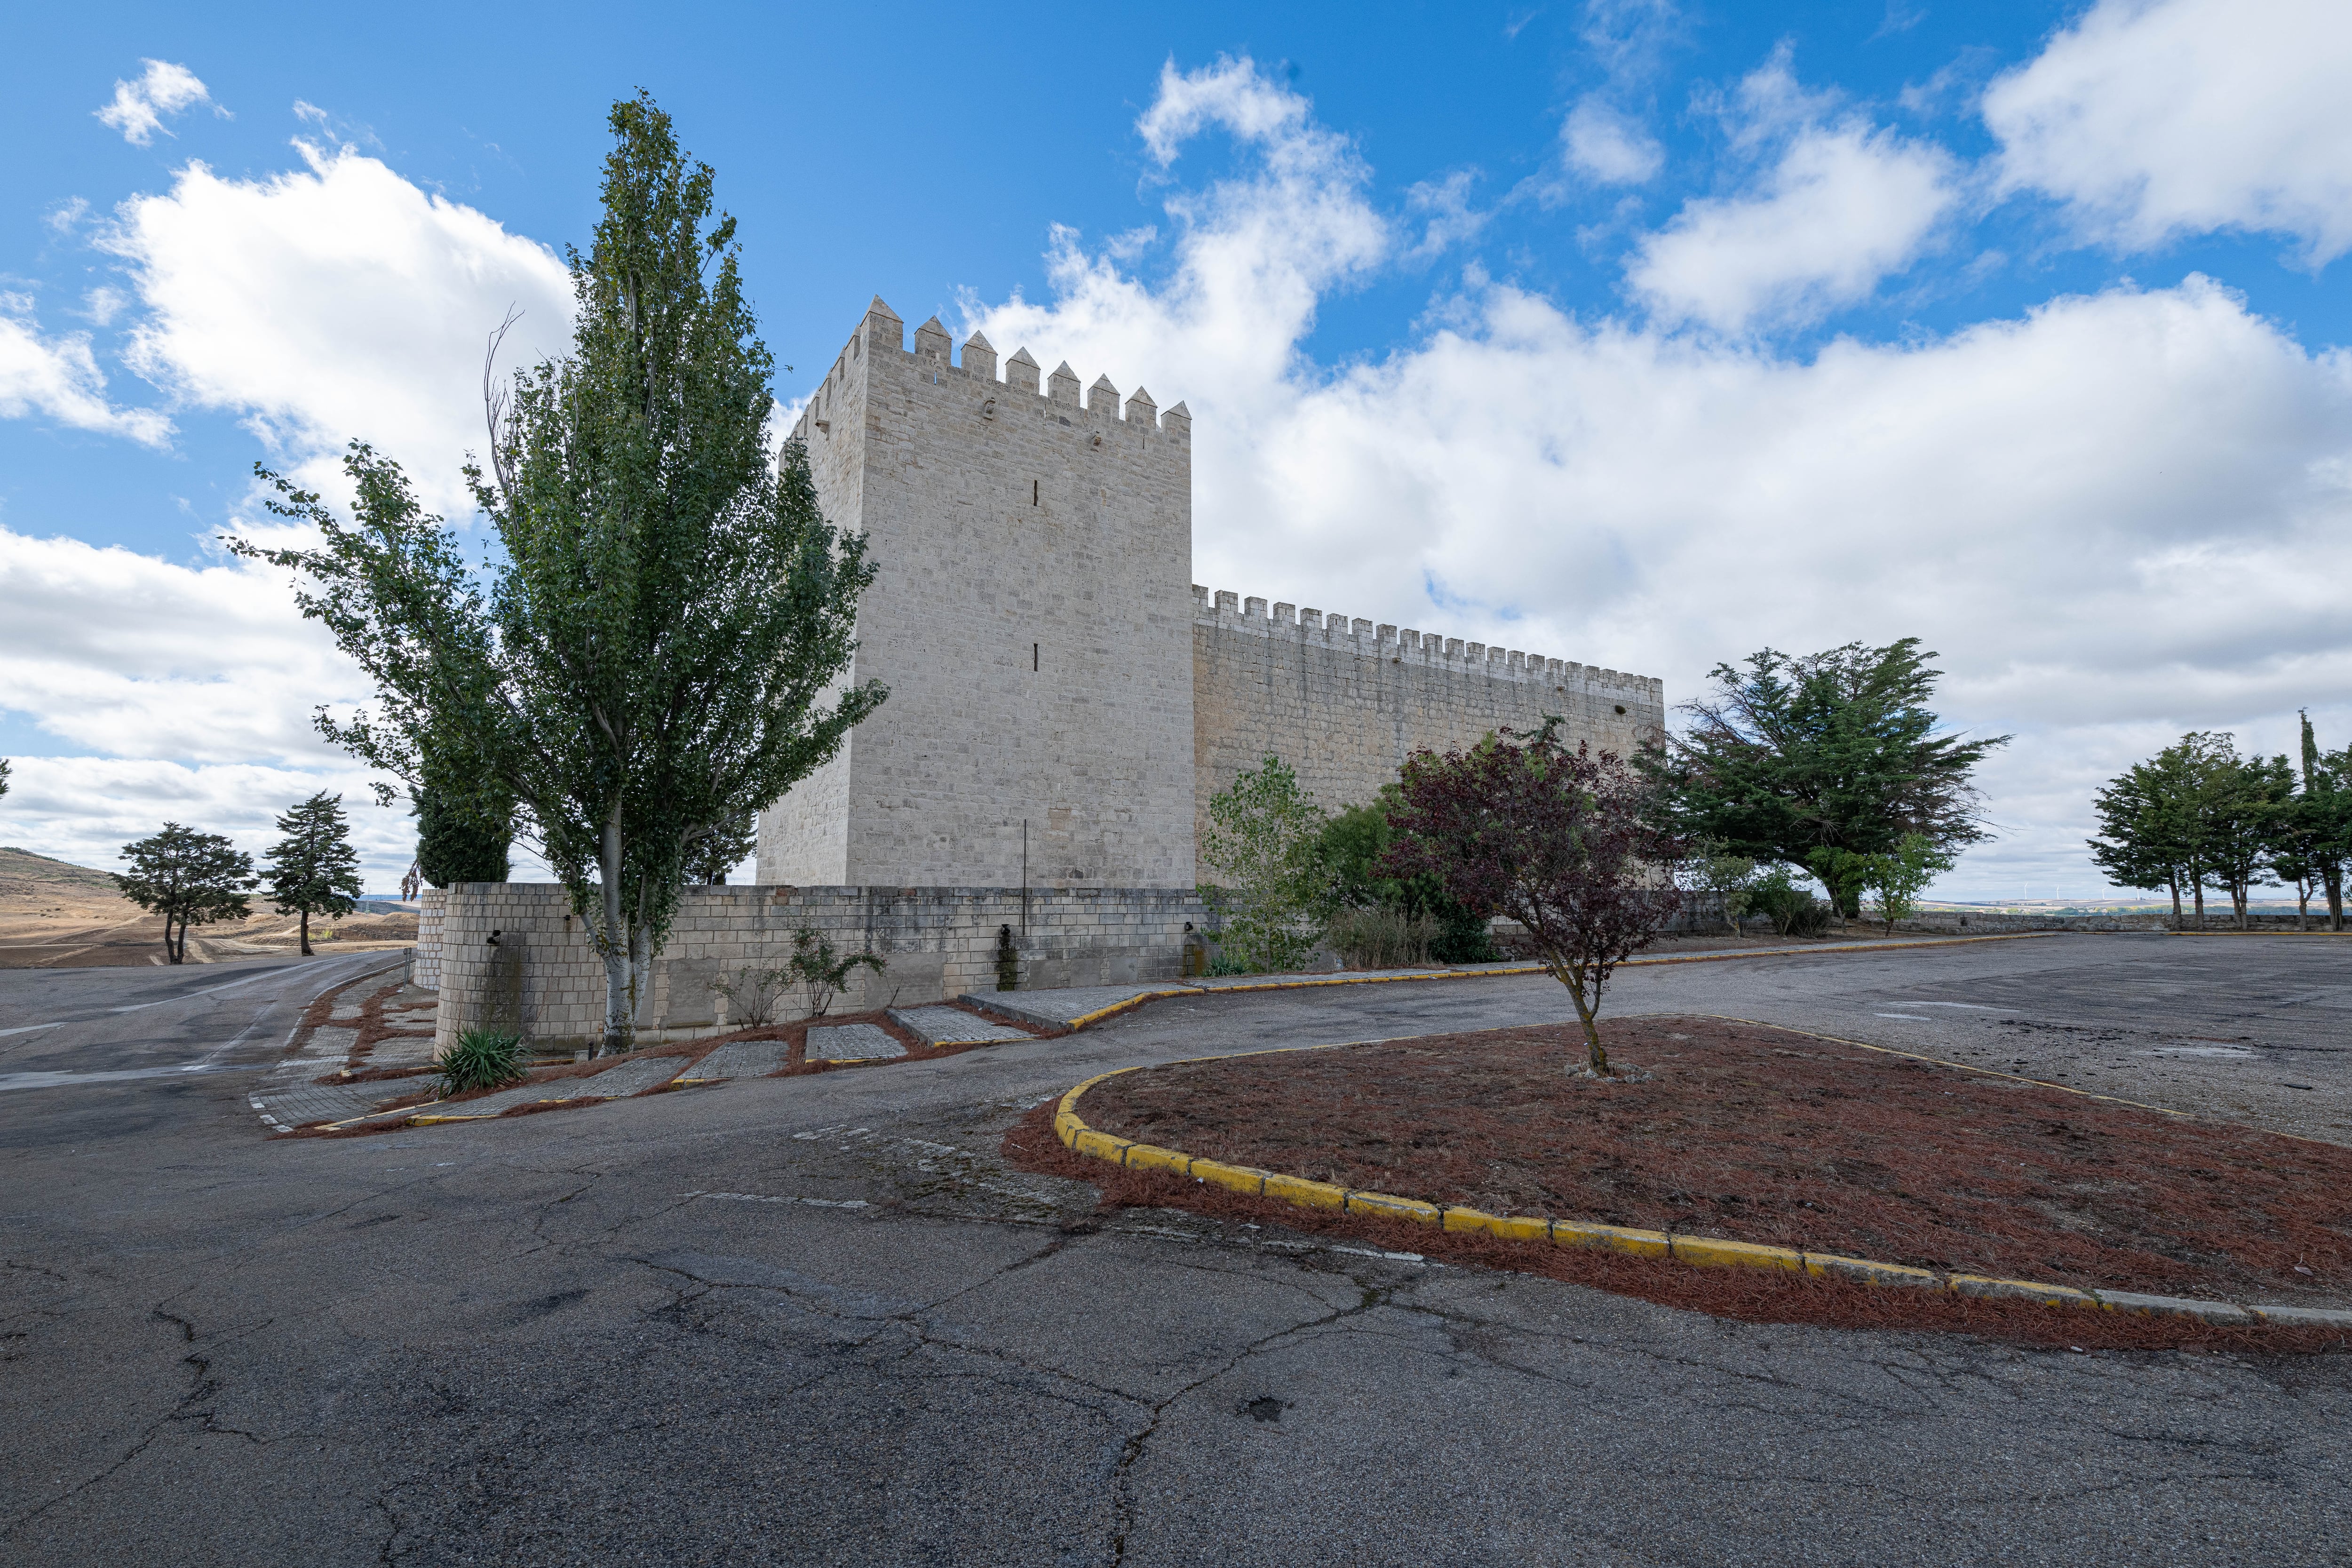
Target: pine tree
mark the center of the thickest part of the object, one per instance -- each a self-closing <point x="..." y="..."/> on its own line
<point x="188" y="877"/>
<point x="1822" y="761"/>
<point x="314" y="870"/>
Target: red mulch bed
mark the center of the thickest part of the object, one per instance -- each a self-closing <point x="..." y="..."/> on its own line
<point x="1768" y="1136"/>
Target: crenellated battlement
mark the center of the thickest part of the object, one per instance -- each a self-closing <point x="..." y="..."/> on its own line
<point x="1053" y="397"/>
<point x="1404" y="645"/>
<point x="1059" y="717"/>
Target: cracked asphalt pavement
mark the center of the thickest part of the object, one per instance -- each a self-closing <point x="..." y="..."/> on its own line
<point x="817" y="1320"/>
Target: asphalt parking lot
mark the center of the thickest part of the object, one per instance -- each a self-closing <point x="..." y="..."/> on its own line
<point x="817" y="1320"/>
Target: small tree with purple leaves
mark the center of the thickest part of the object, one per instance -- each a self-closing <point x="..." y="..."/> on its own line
<point x="1557" y="841"/>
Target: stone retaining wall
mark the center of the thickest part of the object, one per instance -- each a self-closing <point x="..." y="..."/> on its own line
<point x="425" y="969"/>
<point x="542" y="978"/>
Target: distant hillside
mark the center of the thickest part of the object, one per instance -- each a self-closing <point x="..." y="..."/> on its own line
<point x="27" y="875"/>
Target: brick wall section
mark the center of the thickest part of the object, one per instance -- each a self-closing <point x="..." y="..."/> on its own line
<point x="1029" y="613"/>
<point x="939" y="941"/>
<point x="426" y="971"/>
<point x="1345" y="701"/>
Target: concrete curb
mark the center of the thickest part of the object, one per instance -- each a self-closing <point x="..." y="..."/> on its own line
<point x="997" y="1000"/>
<point x="1701" y="1251"/>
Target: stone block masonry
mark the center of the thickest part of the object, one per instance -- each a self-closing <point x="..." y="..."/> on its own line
<point x="426" y="974"/>
<point x="1029" y="613"/>
<point x="1345" y="701"/>
<point x="542" y="977"/>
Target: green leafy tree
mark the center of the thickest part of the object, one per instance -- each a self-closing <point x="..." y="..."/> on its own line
<point x="4" y="770"/>
<point x="1727" y="878"/>
<point x="1838" y="751"/>
<point x="1260" y="841"/>
<point x="313" y="869"/>
<point x="465" y="821"/>
<point x="710" y="861"/>
<point x="1349" y="860"/>
<point x="2198" y="815"/>
<point x="2145" y="830"/>
<point x="1843" y="873"/>
<point x="2323" y="818"/>
<point x="1897" y="879"/>
<point x="825" y="972"/>
<point x="1792" y="909"/>
<point x="188" y="877"/>
<point x="656" y="649"/>
<point x="2243" y="812"/>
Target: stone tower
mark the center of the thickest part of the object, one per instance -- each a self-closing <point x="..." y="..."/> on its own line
<point x="1032" y="614"/>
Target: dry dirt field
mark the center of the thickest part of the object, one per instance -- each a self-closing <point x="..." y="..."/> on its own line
<point x="54" y="915"/>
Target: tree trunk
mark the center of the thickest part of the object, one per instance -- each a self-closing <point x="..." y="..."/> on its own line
<point x="2174" y="883"/>
<point x="1571" y="977"/>
<point x="171" y="948"/>
<point x="306" y="933"/>
<point x="2200" y="903"/>
<point x="619" y="949"/>
<point x="2303" y="906"/>
<point x="2239" y="895"/>
<point x="2335" y="898"/>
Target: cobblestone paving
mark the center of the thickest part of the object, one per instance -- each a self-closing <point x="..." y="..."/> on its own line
<point x="851" y="1043"/>
<point x="953" y="1027"/>
<point x="741" y="1058"/>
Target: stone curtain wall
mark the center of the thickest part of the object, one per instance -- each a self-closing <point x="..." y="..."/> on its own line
<point x="545" y="979"/>
<point x="1345" y="701"/>
<point x="1030" y="614"/>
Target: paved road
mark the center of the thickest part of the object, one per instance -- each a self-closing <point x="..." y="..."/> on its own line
<point x="816" y="1321"/>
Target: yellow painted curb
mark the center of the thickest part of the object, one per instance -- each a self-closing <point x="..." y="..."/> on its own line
<point x="1303" y="982"/>
<point x="1700" y="1251"/>
<point x="1716" y="1252"/>
<point x="1100" y="1013"/>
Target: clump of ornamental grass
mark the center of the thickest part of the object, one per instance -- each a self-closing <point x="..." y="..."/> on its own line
<point x="482" y="1059"/>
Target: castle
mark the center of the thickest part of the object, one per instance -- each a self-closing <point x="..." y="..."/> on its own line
<point x="1064" y="702"/>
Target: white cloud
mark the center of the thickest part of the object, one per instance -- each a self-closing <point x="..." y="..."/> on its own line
<point x="2117" y="516"/>
<point x="1844" y="206"/>
<point x="2158" y="117"/>
<point x="1604" y="144"/>
<point x="139" y="106"/>
<point x="58" y="377"/>
<point x="84" y="809"/>
<point x="335" y="302"/>
<point x="133" y="657"/>
<point x="195" y="685"/>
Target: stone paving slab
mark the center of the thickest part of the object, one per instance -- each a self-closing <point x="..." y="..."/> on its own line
<point x="851" y="1043"/>
<point x="307" y="1104"/>
<point x="739" y="1058"/>
<point x="401" y="1051"/>
<point x="629" y="1078"/>
<point x="953" y="1027"/>
<point x="326" y="1040"/>
<point x="633" y="1076"/>
<point x="1062" y="1008"/>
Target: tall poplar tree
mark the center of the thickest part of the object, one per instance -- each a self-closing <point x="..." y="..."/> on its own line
<point x="313" y="869"/>
<point x="654" y="652"/>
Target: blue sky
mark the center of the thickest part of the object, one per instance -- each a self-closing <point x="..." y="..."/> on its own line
<point x="1639" y="333"/>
